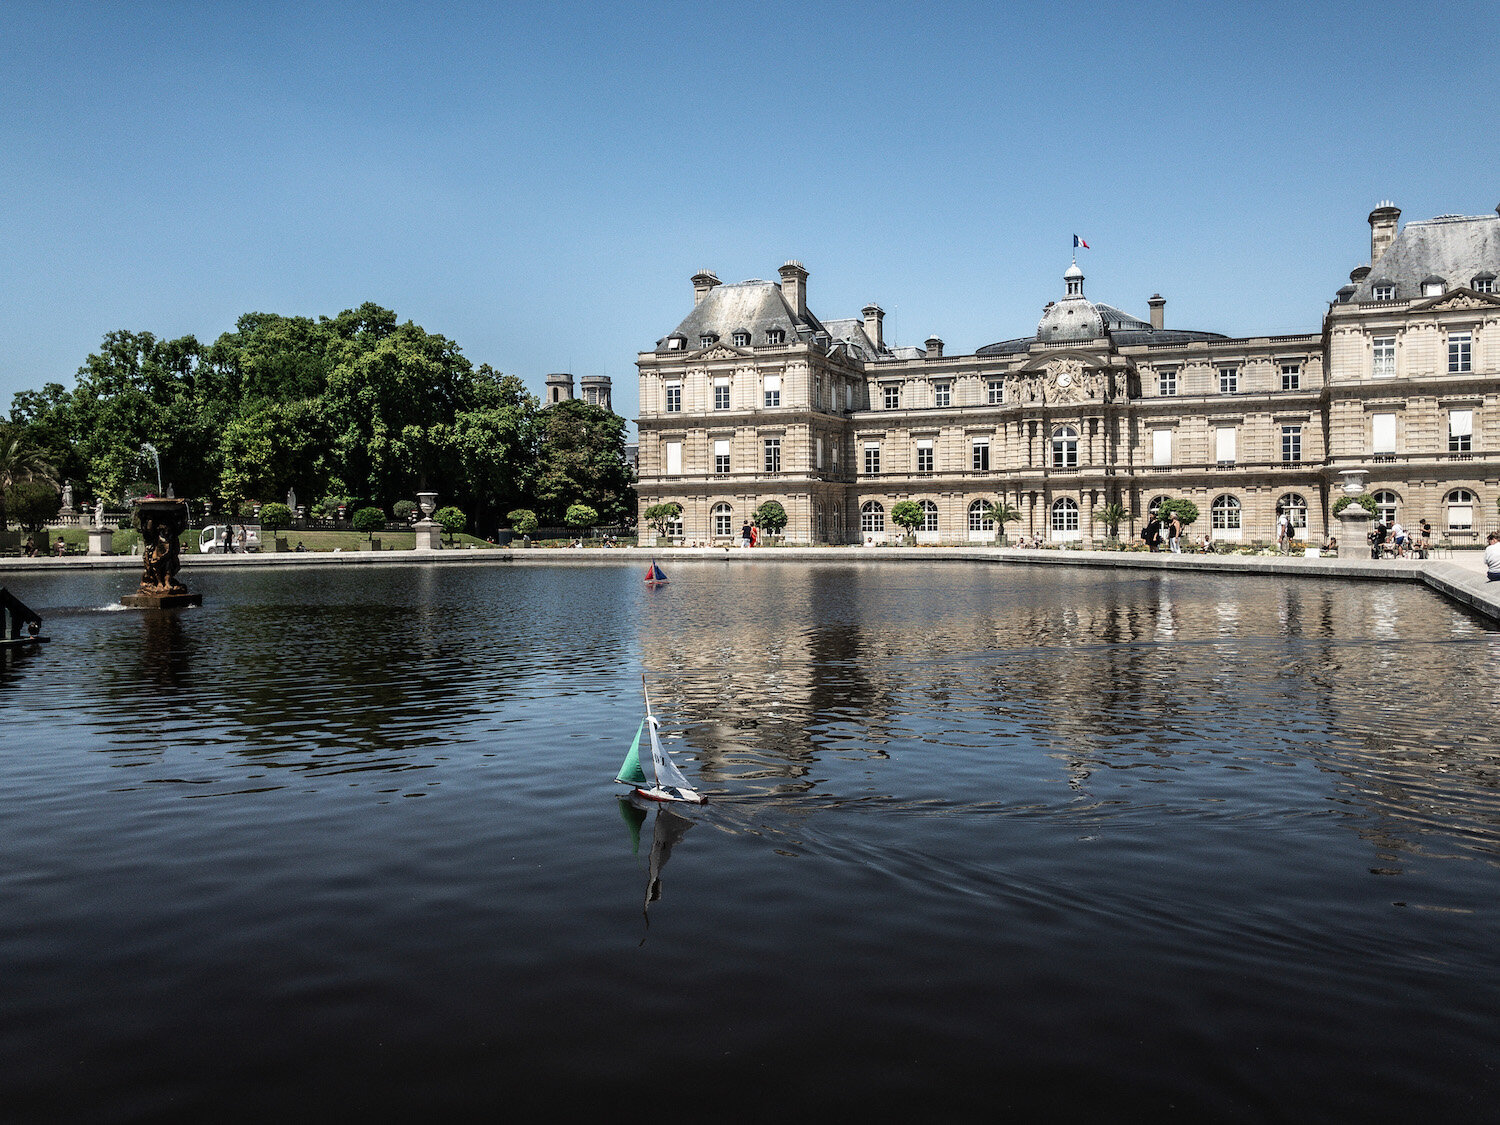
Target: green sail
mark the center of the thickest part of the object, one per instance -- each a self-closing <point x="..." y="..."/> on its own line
<point x="630" y="769"/>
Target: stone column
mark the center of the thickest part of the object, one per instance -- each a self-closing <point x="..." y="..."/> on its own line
<point x="100" y="541"/>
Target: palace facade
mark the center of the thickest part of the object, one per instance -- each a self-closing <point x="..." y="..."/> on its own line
<point x="754" y="398"/>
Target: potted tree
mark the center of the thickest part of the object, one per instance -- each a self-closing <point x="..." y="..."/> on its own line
<point x="274" y="516"/>
<point x="1112" y="515"/>
<point x="369" y="520"/>
<point x="770" y="517"/>
<point x="523" y="521"/>
<point x="580" y="516"/>
<point x="908" y="516"/>
<point x="453" y="521"/>
<point x="1001" y="513"/>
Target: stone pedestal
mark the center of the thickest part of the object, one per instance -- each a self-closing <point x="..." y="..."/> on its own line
<point x="161" y="601"/>
<point x="1354" y="527"/>
<point x="429" y="536"/>
<point x="101" y="541"/>
<point x="370" y="545"/>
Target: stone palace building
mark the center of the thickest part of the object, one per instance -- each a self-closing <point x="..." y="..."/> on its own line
<point x="754" y="398"/>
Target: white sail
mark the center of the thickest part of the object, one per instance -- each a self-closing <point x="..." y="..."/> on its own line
<point x="667" y="773"/>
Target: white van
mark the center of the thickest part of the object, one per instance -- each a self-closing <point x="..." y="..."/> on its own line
<point x="223" y="539"/>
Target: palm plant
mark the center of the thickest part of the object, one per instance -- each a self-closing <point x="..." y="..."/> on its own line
<point x="1002" y="513"/>
<point x="1112" y="515"/>
<point x="21" y="460"/>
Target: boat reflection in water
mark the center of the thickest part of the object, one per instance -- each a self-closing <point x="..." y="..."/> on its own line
<point x="670" y="827"/>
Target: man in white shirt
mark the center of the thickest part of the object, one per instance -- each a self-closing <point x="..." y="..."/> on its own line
<point x="1492" y="557"/>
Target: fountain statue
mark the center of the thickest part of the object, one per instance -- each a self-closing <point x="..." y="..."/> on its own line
<point x="162" y="521"/>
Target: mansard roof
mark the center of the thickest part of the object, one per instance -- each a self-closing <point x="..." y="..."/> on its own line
<point x="1453" y="248"/>
<point x="753" y="306"/>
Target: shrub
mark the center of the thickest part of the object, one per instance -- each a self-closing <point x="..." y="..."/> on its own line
<point x="1364" y="500"/>
<point x="452" y="519"/>
<point x="770" y="517"/>
<point x="402" y="509"/>
<point x="580" y="516"/>
<point x="523" y="520"/>
<point x="908" y="515"/>
<point x="31" y="503"/>
<point x="369" y="520"/>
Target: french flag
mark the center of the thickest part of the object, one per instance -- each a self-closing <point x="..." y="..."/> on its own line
<point x="1077" y="242"/>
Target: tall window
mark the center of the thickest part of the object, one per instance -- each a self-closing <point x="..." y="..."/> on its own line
<point x="942" y="394"/>
<point x="1460" y="431"/>
<point x="1386" y="503"/>
<point x="674" y="397"/>
<point x="924" y="456"/>
<point x="773" y="454"/>
<point x="1383" y="366"/>
<point x="773" y="390"/>
<point x="1460" y="505"/>
<point x="979" y="518"/>
<point x="817" y="392"/>
<point x="1225" y="514"/>
<point x="980" y="456"/>
<point x="1296" y="508"/>
<point x="1065" y="448"/>
<point x="1166" y="382"/>
<point x="995" y="392"/>
<point x="1291" y="376"/>
<point x="1161" y="447"/>
<point x="723" y="520"/>
<point x="929" y="516"/>
<point x="674" y="458"/>
<point x="892" y="393"/>
<point x="721" y="455"/>
<point x="871" y="517"/>
<point x="1291" y="444"/>
<point x="818" y="445"/>
<point x="837" y="397"/>
<point x="1460" y="352"/>
<point x="1155" y="506"/>
<point x="1224" y="444"/>
<point x="1229" y="380"/>
<point x="872" y="459"/>
<point x="1064" y="516"/>
<point x="721" y="393"/>
<point x="1382" y="434"/>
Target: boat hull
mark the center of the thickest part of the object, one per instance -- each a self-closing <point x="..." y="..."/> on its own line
<point x="668" y="793"/>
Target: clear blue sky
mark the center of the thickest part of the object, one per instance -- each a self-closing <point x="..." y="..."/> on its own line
<point x="538" y="181"/>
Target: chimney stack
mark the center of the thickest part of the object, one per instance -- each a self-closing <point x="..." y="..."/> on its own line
<point x="794" y="288"/>
<point x="875" y="324"/>
<point x="1382" y="228"/>
<point x="703" y="281"/>
<point x="934" y="348"/>
<point x="1158" y="305"/>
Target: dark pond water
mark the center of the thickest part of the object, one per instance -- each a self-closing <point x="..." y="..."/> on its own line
<point x="984" y="842"/>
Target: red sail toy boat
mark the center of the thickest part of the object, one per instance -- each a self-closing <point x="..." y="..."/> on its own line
<point x="654" y="575"/>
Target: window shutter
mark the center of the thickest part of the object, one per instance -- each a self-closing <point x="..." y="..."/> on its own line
<point x="1225" y="443"/>
<point x="1460" y="423"/>
<point x="674" y="458"/>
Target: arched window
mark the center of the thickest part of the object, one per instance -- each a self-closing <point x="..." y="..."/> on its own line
<point x="871" y="517"/>
<point x="1151" y="508"/>
<point x="1065" y="448"/>
<point x="1460" y="505"/>
<point x="723" y="520"/>
<point x="820" y="533"/>
<point x="929" y="515"/>
<point x="1296" y="507"/>
<point x="674" y="527"/>
<point x="1225" y="514"/>
<point x="1064" y="516"/>
<point x="1386" y="503"/>
<point x="979" y="517"/>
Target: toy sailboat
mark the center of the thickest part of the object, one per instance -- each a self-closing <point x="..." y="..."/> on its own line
<point x="665" y="782"/>
<point x="655" y="576"/>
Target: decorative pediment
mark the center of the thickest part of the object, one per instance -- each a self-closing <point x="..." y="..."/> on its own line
<point x="1457" y="300"/>
<point x="721" y="351"/>
<point x="1063" y="380"/>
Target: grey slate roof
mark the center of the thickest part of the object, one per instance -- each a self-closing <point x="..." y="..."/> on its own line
<point x="753" y="306"/>
<point x="1455" y="248"/>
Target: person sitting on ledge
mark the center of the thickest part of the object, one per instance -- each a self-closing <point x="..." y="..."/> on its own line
<point x="60" y="548"/>
<point x="1492" y="557"/>
<point x="30" y="547"/>
<point x="1331" y="547"/>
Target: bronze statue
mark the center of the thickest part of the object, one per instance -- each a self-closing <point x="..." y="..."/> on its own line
<point x="162" y="521"/>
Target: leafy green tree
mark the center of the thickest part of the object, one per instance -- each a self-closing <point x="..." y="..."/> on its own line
<point x="659" y="516"/>
<point x="770" y="517"/>
<point x="275" y="515"/>
<point x="368" y="520"/>
<point x="1186" y="510"/>
<point x="22" y="461"/>
<point x="402" y="510"/>
<point x="31" y="503"/>
<point x="453" y="521"/>
<point x="1112" y="515"/>
<point x="582" y="457"/>
<point x="908" y="515"/>
<point x="580" y="516"/>
<point x="523" y="521"/>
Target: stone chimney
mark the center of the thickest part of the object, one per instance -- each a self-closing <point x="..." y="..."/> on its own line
<point x="1382" y="228"/>
<point x="875" y="324"/>
<point x="1158" y="305"/>
<point x="934" y="348"/>
<point x="559" y="388"/>
<point x="794" y="288"/>
<point x="703" y="281"/>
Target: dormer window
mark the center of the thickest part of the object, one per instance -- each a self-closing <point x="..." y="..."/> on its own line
<point x="776" y="336"/>
<point x="676" y="343"/>
<point x="707" y="340"/>
<point x="742" y="339"/>
<point x="1434" y="286"/>
<point x="1383" y="291"/>
<point x="1483" y="283"/>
